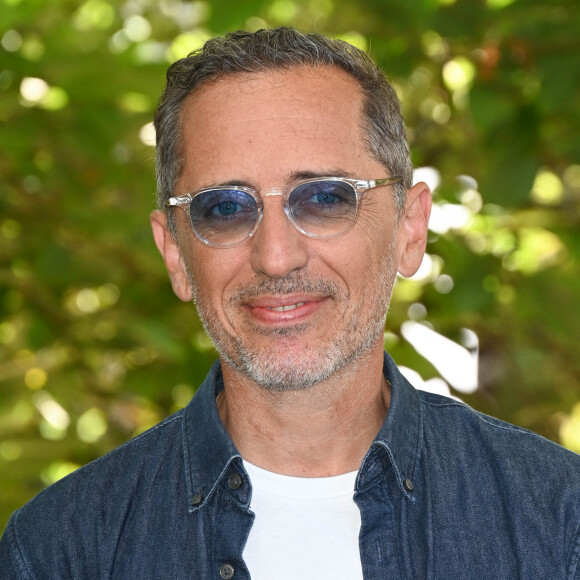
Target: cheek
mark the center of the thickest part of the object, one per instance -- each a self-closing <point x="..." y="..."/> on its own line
<point x="352" y="263"/>
<point x="366" y="266"/>
<point x="378" y="230"/>
<point x="372" y="240"/>
<point x="376" y="221"/>
<point x="215" y="271"/>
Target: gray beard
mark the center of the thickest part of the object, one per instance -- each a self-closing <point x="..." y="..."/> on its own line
<point x="277" y="370"/>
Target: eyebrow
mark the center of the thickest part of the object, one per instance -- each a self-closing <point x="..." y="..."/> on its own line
<point x="298" y="175"/>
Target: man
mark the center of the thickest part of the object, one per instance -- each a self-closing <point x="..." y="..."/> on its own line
<point x="286" y="210"/>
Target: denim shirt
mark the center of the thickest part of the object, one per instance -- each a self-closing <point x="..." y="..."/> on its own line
<point x="444" y="492"/>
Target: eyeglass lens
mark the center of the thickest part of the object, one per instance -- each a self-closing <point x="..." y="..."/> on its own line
<point x="223" y="216"/>
<point x="228" y="216"/>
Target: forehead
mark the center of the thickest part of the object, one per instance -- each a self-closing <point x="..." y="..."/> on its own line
<point x="298" y="119"/>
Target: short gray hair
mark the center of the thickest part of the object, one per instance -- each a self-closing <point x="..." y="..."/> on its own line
<point x="281" y="49"/>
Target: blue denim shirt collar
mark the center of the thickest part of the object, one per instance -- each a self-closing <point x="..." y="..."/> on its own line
<point x="209" y="452"/>
<point x="398" y="443"/>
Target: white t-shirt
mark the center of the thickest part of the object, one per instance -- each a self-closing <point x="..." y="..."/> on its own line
<point x="305" y="528"/>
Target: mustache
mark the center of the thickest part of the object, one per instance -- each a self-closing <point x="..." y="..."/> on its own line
<point x="297" y="283"/>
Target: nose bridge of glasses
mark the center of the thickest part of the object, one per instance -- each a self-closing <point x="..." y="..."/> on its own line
<point x="272" y="192"/>
<point x="277" y="192"/>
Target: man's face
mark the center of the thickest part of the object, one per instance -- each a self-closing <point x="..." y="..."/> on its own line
<point x="283" y="309"/>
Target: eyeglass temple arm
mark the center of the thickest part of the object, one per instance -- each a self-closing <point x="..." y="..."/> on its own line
<point x="178" y="200"/>
<point x="385" y="181"/>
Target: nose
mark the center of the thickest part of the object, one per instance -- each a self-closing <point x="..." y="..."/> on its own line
<point x="278" y="248"/>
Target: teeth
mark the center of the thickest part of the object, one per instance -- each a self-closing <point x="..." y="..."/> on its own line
<point x="284" y="308"/>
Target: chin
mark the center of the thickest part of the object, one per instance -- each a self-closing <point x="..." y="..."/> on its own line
<point x="291" y="368"/>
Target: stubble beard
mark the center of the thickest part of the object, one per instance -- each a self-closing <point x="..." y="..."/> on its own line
<point x="280" y="369"/>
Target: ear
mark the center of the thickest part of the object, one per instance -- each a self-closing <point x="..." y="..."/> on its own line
<point x="413" y="229"/>
<point x="169" y="250"/>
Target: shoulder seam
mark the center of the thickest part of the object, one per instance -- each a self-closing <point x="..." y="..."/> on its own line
<point x="491" y="421"/>
<point x="166" y="421"/>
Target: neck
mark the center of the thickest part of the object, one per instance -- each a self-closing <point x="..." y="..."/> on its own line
<point x="320" y="431"/>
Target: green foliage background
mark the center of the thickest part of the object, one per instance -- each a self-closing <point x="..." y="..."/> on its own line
<point x="94" y="347"/>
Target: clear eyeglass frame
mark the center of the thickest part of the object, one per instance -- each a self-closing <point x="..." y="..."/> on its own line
<point x="360" y="186"/>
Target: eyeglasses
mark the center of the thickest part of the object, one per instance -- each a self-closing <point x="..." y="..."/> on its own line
<point x="326" y="207"/>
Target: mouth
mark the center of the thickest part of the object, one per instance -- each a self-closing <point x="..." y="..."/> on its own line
<point x="283" y="303"/>
<point x="284" y="310"/>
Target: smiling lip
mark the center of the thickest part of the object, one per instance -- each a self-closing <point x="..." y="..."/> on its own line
<point x="284" y="309"/>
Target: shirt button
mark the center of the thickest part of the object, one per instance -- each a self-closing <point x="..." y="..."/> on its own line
<point x="408" y="484"/>
<point x="196" y="499"/>
<point x="227" y="571"/>
<point x="235" y="482"/>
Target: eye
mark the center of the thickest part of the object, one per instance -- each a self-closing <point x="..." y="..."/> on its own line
<point x="323" y="196"/>
<point x="222" y="204"/>
<point x="226" y="208"/>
